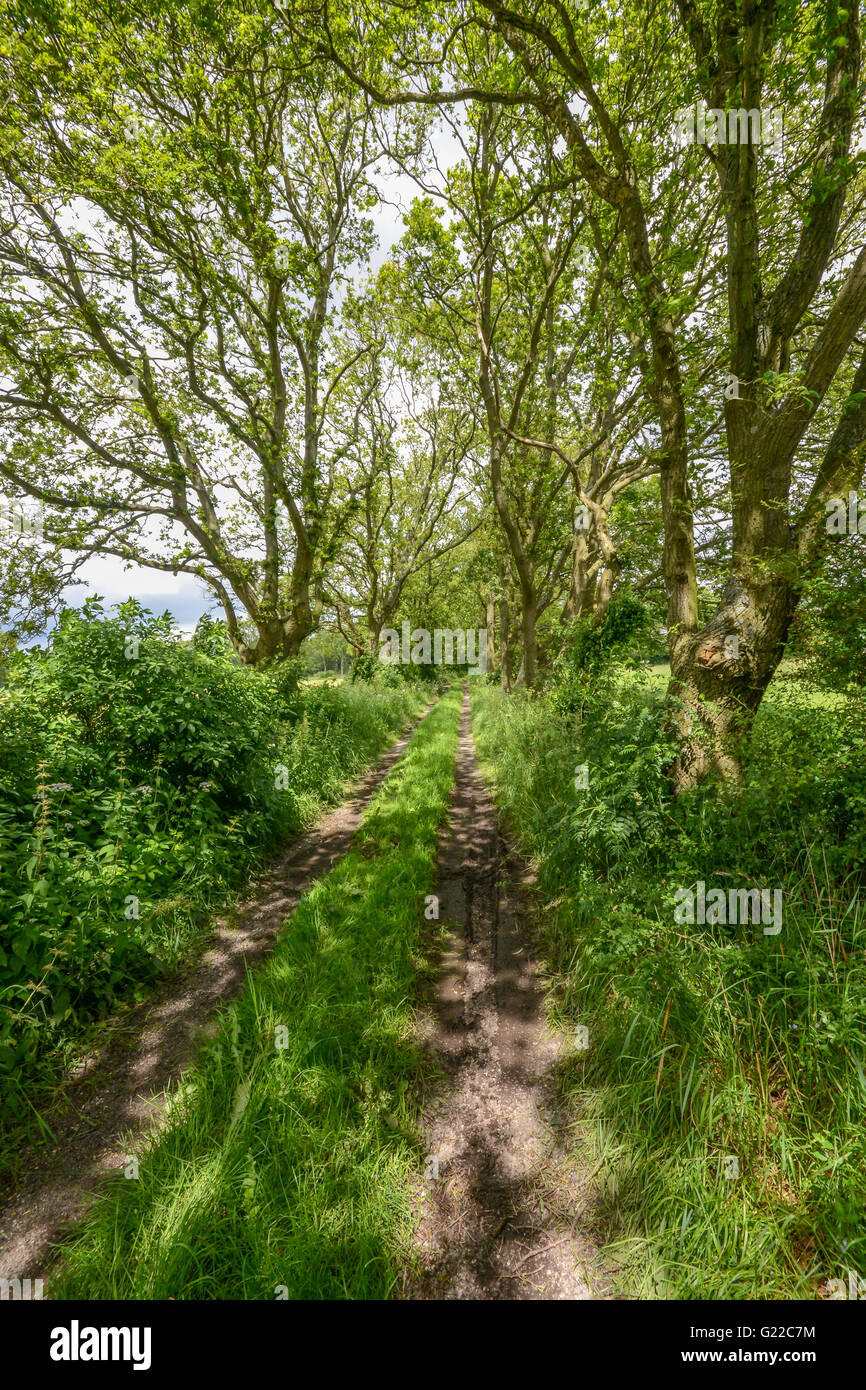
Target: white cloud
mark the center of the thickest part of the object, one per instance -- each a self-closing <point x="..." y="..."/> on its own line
<point x="110" y="576"/>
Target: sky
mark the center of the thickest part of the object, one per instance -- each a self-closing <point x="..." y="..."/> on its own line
<point x="183" y="595"/>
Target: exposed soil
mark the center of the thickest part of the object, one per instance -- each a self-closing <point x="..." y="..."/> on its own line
<point x="509" y="1216"/>
<point x="118" y="1091"/>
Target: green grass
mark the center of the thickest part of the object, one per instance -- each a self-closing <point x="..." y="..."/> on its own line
<point x="287" y="1168"/>
<point x="323" y="678"/>
<point x="337" y="730"/>
<point x="705" y="1041"/>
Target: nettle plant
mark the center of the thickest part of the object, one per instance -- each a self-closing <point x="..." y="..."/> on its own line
<point x="622" y="749"/>
<point x="831" y="631"/>
<point x="131" y="771"/>
<point x="592" y="651"/>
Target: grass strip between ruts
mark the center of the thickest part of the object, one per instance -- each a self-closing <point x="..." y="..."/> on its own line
<point x="284" y="1164"/>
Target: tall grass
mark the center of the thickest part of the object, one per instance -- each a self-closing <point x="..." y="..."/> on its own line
<point x="722" y="1098"/>
<point x="284" y="1164"/>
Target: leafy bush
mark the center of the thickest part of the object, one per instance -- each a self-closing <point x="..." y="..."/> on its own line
<point x="831" y="625"/>
<point x="140" y="776"/>
<point x="394" y="676"/>
<point x="584" y="670"/>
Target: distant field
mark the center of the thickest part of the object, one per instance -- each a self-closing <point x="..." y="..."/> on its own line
<point x="790" y="673"/>
<point x="660" y="672"/>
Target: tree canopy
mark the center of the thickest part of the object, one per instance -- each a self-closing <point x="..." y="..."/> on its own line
<point x="617" y="348"/>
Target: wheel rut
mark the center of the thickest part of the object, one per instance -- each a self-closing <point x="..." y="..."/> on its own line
<point x="508" y="1216"/>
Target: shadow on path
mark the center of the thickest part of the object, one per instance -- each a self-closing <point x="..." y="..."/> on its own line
<point x="509" y="1216"/>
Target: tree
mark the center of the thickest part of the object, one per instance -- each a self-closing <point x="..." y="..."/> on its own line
<point x="413" y="478"/>
<point x="183" y="203"/>
<point x="525" y="315"/>
<point x="791" y="271"/>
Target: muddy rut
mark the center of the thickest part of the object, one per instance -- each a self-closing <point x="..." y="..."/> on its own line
<point x="508" y="1216"/>
<point x="118" y="1091"/>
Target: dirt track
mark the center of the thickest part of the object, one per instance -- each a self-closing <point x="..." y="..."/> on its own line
<point x="508" y="1216"/>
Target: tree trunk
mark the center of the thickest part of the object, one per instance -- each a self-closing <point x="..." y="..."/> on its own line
<point x="505" y="647"/>
<point x="491" y="634"/>
<point x="584" y="573"/>
<point x="610" y="563"/>
<point x="529" y="664"/>
<point x="718" y="683"/>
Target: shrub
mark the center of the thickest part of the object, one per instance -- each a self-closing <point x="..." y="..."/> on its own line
<point x="140" y="777"/>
